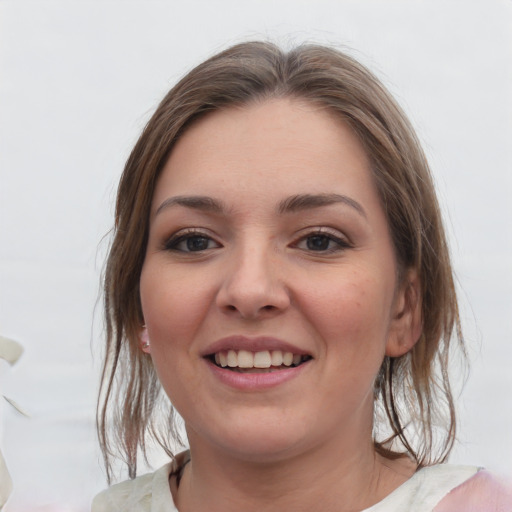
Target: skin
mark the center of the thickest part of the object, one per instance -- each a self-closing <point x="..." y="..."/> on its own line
<point x="323" y="278"/>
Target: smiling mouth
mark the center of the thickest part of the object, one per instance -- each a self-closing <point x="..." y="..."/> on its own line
<point x="266" y="361"/>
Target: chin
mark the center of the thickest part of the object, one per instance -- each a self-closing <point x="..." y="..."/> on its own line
<point x="264" y="450"/>
<point x="257" y="439"/>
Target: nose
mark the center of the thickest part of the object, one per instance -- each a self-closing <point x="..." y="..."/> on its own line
<point x="253" y="285"/>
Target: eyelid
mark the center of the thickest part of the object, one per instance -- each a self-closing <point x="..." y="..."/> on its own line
<point x="170" y="242"/>
<point x="335" y="235"/>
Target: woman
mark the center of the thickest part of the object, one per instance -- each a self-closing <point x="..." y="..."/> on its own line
<point x="280" y="269"/>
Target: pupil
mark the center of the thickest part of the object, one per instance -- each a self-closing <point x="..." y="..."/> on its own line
<point x="197" y="243"/>
<point x="318" y="243"/>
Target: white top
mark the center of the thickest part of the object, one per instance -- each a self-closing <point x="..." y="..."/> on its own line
<point x="151" y="492"/>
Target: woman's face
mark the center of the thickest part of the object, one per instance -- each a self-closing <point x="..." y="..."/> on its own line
<point x="269" y="284"/>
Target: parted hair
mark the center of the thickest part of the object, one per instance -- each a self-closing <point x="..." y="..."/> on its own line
<point x="414" y="406"/>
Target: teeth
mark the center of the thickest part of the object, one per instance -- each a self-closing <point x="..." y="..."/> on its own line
<point x="245" y="359"/>
<point x="232" y="359"/>
<point x="277" y="358"/>
<point x="287" y="358"/>
<point x="264" y="359"/>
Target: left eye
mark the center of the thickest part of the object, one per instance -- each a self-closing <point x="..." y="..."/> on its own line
<point x="322" y="242"/>
<point x="191" y="243"/>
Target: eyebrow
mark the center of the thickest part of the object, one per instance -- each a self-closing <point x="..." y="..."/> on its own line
<point x="308" y="201"/>
<point x="290" y="204"/>
<point x="203" y="203"/>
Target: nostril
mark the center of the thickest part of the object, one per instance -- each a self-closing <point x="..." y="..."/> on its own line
<point x="268" y="308"/>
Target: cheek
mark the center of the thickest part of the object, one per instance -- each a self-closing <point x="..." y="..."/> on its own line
<point x="352" y="321"/>
<point x="351" y="309"/>
<point x="173" y="303"/>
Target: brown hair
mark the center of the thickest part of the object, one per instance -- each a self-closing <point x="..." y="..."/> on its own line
<point x="412" y="392"/>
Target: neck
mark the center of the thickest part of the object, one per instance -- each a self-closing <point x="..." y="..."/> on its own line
<point x="322" y="478"/>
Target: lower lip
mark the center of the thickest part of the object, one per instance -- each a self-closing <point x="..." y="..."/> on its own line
<point x="255" y="381"/>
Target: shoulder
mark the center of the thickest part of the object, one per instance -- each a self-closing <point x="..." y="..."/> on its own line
<point x="425" y="489"/>
<point x="483" y="492"/>
<point x="145" y="493"/>
<point x="130" y="495"/>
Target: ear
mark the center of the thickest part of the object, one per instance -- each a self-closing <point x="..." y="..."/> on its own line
<point x="144" y="340"/>
<point x="406" y="322"/>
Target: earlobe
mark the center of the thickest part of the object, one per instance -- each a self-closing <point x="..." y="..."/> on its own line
<point x="144" y="340"/>
<point x="407" y="322"/>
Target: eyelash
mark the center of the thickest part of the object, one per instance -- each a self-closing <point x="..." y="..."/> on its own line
<point x="172" y="244"/>
<point x="324" y="234"/>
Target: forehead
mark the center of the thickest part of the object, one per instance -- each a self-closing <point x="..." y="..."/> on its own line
<point x="274" y="146"/>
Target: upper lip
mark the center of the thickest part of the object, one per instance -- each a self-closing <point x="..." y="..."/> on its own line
<point x="252" y="344"/>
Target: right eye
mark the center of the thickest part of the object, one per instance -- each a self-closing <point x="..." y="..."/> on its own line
<point x="191" y="241"/>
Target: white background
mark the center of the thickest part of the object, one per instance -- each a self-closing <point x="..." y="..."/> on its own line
<point x="78" y="80"/>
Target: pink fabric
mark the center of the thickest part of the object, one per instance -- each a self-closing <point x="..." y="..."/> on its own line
<point x="481" y="493"/>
